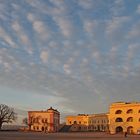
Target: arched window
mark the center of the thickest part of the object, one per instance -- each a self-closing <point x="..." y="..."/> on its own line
<point x="34" y="127"/>
<point x="130" y="119"/>
<point x="129" y="111"/>
<point x="118" y="112"/>
<point x="75" y="122"/>
<point x="47" y="120"/>
<point x="119" y="120"/>
<point x="80" y="128"/>
<point x="139" y="111"/>
<point x="42" y="120"/>
<point x="139" y="119"/>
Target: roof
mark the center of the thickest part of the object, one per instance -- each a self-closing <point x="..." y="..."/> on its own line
<point x="45" y="111"/>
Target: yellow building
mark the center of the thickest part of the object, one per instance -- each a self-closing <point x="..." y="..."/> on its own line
<point x="47" y="121"/>
<point x="98" y="122"/>
<point x="79" y="122"/>
<point x="124" y="117"/>
<point x="82" y="122"/>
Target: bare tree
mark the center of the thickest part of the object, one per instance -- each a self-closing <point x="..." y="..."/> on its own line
<point x="25" y="121"/>
<point x="7" y="114"/>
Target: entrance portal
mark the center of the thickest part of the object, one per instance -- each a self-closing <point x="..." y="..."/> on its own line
<point x="119" y="129"/>
<point x="130" y="130"/>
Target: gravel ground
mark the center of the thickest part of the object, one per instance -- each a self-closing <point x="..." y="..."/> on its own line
<point x="64" y="136"/>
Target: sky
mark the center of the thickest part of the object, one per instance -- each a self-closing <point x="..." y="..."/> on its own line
<point x="77" y="56"/>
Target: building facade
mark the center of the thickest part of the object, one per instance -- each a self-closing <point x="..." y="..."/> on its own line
<point x="98" y="122"/>
<point x="78" y="123"/>
<point x="47" y="121"/>
<point x="124" y="117"/>
<point x="83" y="122"/>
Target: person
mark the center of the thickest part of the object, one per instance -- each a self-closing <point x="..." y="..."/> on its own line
<point x="125" y="134"/>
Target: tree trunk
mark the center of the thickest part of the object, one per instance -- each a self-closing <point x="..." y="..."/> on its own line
<point x="0" y="126"/>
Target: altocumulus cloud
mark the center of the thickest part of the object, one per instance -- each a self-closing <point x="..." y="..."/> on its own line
<point x="65" y="53"/>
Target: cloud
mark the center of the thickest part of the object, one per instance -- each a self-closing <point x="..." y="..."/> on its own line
<point x="131" y="54"/>
<point x="65" y="26"/>
<point x="67" y="69"/>
<point x="134" y="32"/>
<point x="92" y="47"/>
<point x="31" y="17"/>
<point x="38" y="26"/>
<point x="7" y="61"/>
<point x="138" y="9"/>
<point x="3" y="12"/>
<point x="117" y="8"/>
<point x="22" y="36"/>
<point x="132" y="49"/>
<point x="7" y="38"/>
<point x="59" y="13"/>
<point x="114" y="29"/>
<point x="90" y="25"/>
<point x="115" y="24"/>
<point x="44" y="56"/>
<point x="86" y="4"/>
<point x="59" y="8"/>
<point x="57" y="3"/>
<point x="113" y="52"/>
<point x="42" y="30"/>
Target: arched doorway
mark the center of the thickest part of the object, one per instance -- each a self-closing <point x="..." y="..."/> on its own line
<point x="119" y="129"/>
<point x="130" y="130"/>
<point x="42" y="128"/>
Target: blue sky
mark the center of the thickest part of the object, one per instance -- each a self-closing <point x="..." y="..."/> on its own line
<point x="75" y="55"/>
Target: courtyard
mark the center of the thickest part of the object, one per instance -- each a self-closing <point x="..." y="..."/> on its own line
<point x="63" y="136"/>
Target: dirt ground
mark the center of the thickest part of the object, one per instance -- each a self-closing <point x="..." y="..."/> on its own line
<point x="64" y="136"/>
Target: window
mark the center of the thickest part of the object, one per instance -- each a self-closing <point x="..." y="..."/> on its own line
<point x="47" y="121"/>
<point x="42" y="128"/>
<point x="34" y="127"/>
<point x="118" y="112"/>
<point x="139" y="119"/>
<point x="119" y="120"/>
<point x="129" y="111"/>
<point x="130" y="119"/>
<point x="139" y="111"/>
